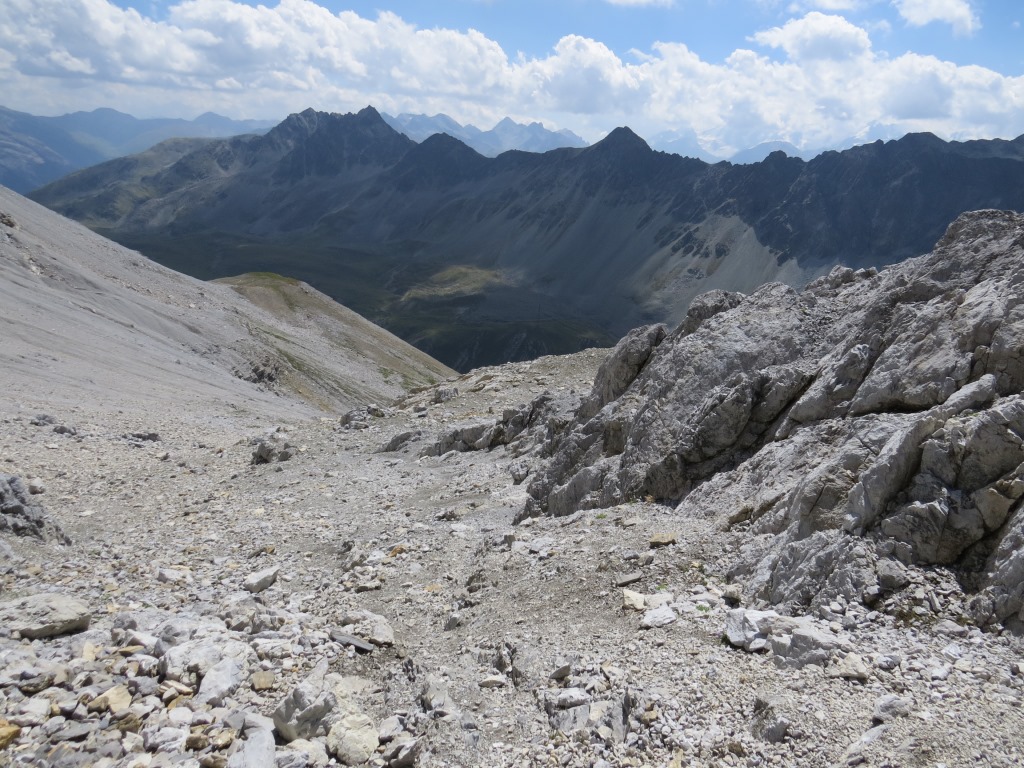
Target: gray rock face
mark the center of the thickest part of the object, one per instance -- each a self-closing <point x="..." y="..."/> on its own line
<point x="22" y="515"/>
<point x="869" y="417"/>
<point x="621" y="367"/>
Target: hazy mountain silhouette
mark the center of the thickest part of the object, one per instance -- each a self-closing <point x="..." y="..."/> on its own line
<point x="506" y="135"/>
<point x="36" y="150"/>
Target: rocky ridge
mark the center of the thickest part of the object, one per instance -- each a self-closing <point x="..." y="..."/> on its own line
<point x="274" y="589"/>
<point x="870" y="420"/>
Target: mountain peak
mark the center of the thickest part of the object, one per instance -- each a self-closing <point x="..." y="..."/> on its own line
<point x="623" y="138"/>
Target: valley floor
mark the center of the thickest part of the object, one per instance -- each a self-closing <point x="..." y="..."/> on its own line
<point x="490" y="644"/>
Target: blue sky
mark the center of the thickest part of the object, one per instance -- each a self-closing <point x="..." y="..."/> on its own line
<point x="726" y="74"/>
<point x="711" y="28"/>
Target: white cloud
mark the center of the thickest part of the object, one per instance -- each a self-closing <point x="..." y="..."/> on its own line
<point x="957" y="13"/>
<point x="817" y="36"/>
<point x="814" y="80"/>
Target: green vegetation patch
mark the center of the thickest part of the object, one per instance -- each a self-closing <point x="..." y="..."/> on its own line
<point x="457" y="281"/>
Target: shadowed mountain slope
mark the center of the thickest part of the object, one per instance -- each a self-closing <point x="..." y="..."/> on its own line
<point x="578" y="245"/>
<point x="86" y="318"/>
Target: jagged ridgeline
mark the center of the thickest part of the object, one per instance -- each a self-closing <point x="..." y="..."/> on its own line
<point x="870" y="422"/>
<point x="482" y="260"/>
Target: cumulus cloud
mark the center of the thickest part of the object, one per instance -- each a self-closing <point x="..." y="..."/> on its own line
<point x="957" y="13"/>
<point x="813" y="81"/>
<point x="817" y="36"/>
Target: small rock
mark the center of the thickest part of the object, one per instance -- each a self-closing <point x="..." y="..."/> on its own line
<point x="434" y="698"/>
<point x="570" y="698"/>
<point x="261" y="580"/>
<point x="749" y="629"/>
<point x="222" y="680"/>
<point x="303" y="712"/>
<point x="890" y="706"/>
<point x="370" y="626"/>
<point x="170" y="576"/>
<point x="8" y="733"/>
<point x="315" y="751"/>
<point x="113" y="700"/>
<point x="951" y="629"/>
<point x="629" y="578"/>
<point x="662" y="539"/>
<point x="658" y="617"/>
<point x="633" y="600"/>
<point x="342" y="638"/>
<point x="263" y="681"/>
<point x="851" y="667"/>
<point x="768" y="723"/>
<point x="390" y="729"/>
<point x="732" y="594"/>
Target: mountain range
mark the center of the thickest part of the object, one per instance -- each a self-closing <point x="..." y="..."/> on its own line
<point x="506" y="135"/>
<point x="36" y="150"/>
<point x="479" y="260"/>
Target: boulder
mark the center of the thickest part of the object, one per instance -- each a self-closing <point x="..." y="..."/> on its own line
<point x="304" y="712"/>
<point x="22" y="515"/>
<point x="274" y="447"/>
<point x="749" y="629"/>
<point x="353" y="739"/>
<point x="45" y="615"/>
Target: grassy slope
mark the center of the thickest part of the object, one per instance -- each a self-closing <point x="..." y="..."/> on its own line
<point x="311" y="321"/>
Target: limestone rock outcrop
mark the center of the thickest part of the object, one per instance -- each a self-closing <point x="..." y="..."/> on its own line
<point x="22" y="515"/>
<point x="871" y="418"/>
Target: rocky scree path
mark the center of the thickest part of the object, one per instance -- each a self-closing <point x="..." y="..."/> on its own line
<point x="362" y="594"/>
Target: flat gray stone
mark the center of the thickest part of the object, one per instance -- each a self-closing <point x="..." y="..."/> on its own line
<point x="628" y="578"/>
<point x="261" y="580"/>
<point x="45" y="615"/>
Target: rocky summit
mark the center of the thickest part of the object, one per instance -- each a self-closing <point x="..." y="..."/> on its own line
<point x="786" y="532"/>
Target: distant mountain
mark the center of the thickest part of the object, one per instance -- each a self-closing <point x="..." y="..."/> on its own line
<point x="36" y="150"/>
<point x="683" y="142"/>
<point x="478" y="260"/>
<point x="761" y="152"/>
<point x="506" y="135"/>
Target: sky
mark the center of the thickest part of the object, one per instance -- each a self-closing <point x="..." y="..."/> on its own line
<point x="728" y="74"/>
